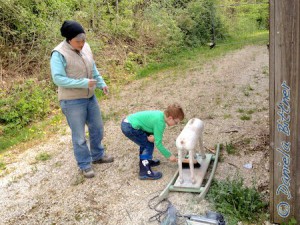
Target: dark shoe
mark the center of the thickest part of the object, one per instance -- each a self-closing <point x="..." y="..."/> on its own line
<point x="151" y="176"/>
<point x="88" y="173"/>
<point x="105" y="159"/>
<point x="146" y="173"/>
<point x="154" y="162"/>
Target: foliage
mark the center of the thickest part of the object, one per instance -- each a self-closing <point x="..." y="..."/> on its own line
<point x="128" y="38"/>
<point x="43" y="156"/>
<point x="187" y="56"/>
<point x="25" y="103"/>
<point x="30" y="28"/>
<point x="292" y="221"/>
<point x="2" y="166"/>
<point x="25" y="33"/>
<point x="244" y="17"/>
<point x="230" y="149"/>
<point x="235" y="201"/>
<point x="245" y="117"/>
<point x="159" y="29"/>
<point x="200" y="23"/>
<point x="38" y="130"/>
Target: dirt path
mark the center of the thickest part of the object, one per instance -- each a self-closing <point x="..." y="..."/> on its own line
<point x="220" y="92"/>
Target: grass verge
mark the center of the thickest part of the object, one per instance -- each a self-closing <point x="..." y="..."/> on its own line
<point x="202" y="54"/>
<point x="237" y="202"/>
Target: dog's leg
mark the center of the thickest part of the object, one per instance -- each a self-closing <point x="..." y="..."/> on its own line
<point x="191" y="162"/>
<point x="180" y="150"/>
<point x="202" y="152"/>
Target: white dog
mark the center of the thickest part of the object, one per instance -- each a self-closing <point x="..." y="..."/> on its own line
<point x="191" y="134"/>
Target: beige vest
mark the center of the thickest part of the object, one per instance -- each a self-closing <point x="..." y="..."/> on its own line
<point x="78" y="65"/>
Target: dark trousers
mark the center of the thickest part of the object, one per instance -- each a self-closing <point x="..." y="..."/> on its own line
<point x="140" y="138"/>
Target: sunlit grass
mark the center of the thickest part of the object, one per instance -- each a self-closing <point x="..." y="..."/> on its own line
<point x="39" y="130"/>
<point x="187" y="57"/>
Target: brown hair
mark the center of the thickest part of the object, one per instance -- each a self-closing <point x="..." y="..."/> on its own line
<point x="174" y="111"/>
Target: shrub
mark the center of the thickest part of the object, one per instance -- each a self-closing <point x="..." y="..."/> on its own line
<point x="159" y="29"/>
<point x="200" y="23"/>
<point x="235" y="201"/>
<point x="24" y="104"/>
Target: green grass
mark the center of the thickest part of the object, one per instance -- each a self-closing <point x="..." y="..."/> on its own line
<point x="241" y="110"/>
<point x="230" y="149"/>
<point x="237" y="202"/>
<point x="201" y="55"/>
<point x="245" y="117"/>
<point x="246" y="114"/>
<point x="227" y="116"/>
<point x="37" y="130"/>
<point x="17" y="136"/>
<point x="2" y="166"/>
<point x="43" y="156"/>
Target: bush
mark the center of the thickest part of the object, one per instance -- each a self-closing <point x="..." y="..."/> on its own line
<point x="200" y="23"/>
<point x="159" y="29"/>
<point x="244" y="18"/>
<point x="236" y="202"/>
<point x="24" y="104"/>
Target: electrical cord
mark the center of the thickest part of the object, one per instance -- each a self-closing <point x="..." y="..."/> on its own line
<point x="160" y="213"/>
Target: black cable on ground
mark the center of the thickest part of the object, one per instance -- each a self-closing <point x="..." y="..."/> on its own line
<point x="162" y="210"/>
<point x="157" y="207"/>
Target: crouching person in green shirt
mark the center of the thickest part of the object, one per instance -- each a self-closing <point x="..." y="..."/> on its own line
<point x="146" y="128"/>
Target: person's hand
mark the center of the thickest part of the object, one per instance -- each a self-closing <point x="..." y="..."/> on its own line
<point x="105" y="90"/>
<point x="92" y="83"/>
<point x="150" y="138"/>
<point x="173" y="158"/>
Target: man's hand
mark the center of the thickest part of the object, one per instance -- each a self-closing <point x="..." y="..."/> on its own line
<point x="150" y="138"/>
<point x="92" y="83"/>
<point x="173" y="158"/>
<point x="105" y="90"/>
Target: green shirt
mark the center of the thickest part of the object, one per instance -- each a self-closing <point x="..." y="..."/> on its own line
<point x="152" y="122"/>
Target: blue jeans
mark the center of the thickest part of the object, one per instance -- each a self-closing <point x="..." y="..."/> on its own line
<point x="78" y="113"/>
<point x="140" y="138"/>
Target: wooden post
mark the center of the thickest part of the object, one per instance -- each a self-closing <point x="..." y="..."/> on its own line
<point x="284" y="110"/>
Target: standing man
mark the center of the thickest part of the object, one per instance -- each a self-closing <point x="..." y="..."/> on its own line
<point x="74" y="71"/>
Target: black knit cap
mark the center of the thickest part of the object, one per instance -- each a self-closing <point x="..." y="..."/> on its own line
<point x="71" y="29"/>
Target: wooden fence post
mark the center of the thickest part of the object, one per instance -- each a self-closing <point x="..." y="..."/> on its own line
<point x="284" y="110"/>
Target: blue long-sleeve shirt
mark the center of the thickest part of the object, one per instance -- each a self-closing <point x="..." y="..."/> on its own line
<point x="60" y="78"/>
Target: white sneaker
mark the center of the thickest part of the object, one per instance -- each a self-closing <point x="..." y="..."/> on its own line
<point x="88" y="173"/>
